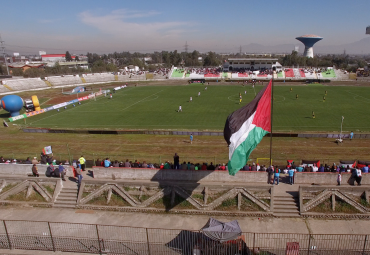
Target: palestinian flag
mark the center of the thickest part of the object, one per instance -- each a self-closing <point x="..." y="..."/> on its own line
<point x="245" y="128"/>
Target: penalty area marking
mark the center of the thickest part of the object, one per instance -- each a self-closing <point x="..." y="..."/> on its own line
<point x="357" y="96"/>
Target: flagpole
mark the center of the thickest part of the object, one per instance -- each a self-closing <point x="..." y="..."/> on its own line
<point x="272" y="103"/>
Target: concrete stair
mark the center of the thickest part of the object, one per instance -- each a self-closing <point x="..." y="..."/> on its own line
<point x="286" y="205"/>
<point x="67" y="197"/>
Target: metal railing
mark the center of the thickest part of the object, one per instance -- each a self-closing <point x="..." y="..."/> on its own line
<point x="104" y="239"/>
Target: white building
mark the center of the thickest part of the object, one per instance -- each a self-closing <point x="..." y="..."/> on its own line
<point x="251" y="64"/>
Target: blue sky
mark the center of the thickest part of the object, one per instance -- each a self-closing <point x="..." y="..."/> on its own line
<point x="146" y="26"/>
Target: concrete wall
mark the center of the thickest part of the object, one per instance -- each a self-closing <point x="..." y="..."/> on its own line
<point x="177" y="175"/>
<point x="326" y="178"/>
<point x="25" y="169"/>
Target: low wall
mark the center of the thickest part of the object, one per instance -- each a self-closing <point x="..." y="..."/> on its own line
<point x="326" y="178"/>
<point x="25" y="169"/>
<point x="177" y="175"/>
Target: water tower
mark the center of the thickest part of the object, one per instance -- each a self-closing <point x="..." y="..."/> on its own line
<point x="309" y="41"/>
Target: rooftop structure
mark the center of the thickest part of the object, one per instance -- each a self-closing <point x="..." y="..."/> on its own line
<point x="309" y="41"/>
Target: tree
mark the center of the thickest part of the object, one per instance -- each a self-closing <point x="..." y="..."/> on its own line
<point x="211" y="59"/>
<point x="68" y="56"/>
<point x="33" y="72"/>
<point x="17" y="71"/>
<point x="77" y="58"/>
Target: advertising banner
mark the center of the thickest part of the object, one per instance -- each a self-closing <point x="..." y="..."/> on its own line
<point x="19" y="117"/>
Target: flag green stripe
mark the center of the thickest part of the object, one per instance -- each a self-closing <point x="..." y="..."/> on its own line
<point x="242" y="152"/>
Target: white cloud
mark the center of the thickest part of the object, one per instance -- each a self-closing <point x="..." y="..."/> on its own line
<point x="133" y="29"/>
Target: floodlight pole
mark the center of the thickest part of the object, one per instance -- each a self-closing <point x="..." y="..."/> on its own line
<point x="341" y="127"/>
<point x="272" y="103"/>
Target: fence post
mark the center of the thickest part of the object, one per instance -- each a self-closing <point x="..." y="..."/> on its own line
<point x="97" y="232"/>
<point x="254" y="242"/>
<point x="147" y="239"/>
<point x="363" y="251"/>
<point x="51" y="236"/>
<point x="7" y="235"/>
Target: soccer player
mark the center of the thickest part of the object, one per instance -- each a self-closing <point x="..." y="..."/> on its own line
<point x="180" y="109"/>
<point x="291" y="89"/>
<point x="245" y="92"/>
<point x="323" y="98"/>
<point x="199" y="94"/>
<point x="191" y="138"/>
<point x="313" y="114"/>
<point x="205" y="88"/>
<point x="326" y="93"/>
<point x="240" y="99"/>
<point x="296" y="96"/>
<point x="191" y="99"/>
<point x="110" y="96"/>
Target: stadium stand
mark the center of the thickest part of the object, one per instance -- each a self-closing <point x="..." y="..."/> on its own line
<point x="99" y="77"/>
<point x="302" y="73"/>
<point x="289" y="73"/>
<point x="178" y="73"/>
<point x="327" y="73"/>
<point x="297" y="73"/>
<point x="64" y="80"/>
<point x="342" y="74"/>
<point x="3" y="89"/>
<point x="161" y="73"/>
<point x="25" y="84"/>
<point x="309" y="73"/>
<point x="280" y="74"/>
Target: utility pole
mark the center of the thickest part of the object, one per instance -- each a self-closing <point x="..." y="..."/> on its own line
<point x="186" y="46"/>
<point x="240" y="50"/>
<point x="2" y="47"/>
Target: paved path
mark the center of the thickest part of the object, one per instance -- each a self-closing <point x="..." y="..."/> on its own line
<point x="189" y="222"/>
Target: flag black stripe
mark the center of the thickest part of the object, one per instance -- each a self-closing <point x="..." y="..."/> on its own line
<point x="236" y="119"/>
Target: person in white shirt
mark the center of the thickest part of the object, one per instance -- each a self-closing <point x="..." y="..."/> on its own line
<point x="191" y="99"/>
<point x="198" y="93"/>
<point x="180" y="109"/>
<point x="315" y="168"/>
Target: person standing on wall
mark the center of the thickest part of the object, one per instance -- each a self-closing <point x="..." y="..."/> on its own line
<point x="176" y="161"/>
<point x="82" y="162"/>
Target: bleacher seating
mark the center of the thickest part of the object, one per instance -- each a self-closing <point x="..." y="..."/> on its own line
<point x="99" y="77"/>
<point x="64" y="80"/>
<point x="328" y="73"/>
<point x="25" y="84"/>
<point x="289" y="73"/>
<point x="3" y="89"/>
<point x="178" y="73"/>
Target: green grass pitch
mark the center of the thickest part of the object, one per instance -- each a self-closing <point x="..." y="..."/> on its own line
<point x="155" y="107"/>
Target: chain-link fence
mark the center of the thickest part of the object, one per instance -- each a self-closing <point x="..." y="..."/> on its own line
<point x="102" y="239"/>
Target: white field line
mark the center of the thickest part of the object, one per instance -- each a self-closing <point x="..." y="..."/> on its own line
<point x="87" y="111"/>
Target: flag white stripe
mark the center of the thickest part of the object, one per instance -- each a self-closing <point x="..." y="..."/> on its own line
<point x="239" y="136"/>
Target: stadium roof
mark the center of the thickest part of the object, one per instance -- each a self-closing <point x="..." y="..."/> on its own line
<point x="21" y="65"/>
<point x="55" y="56"/>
